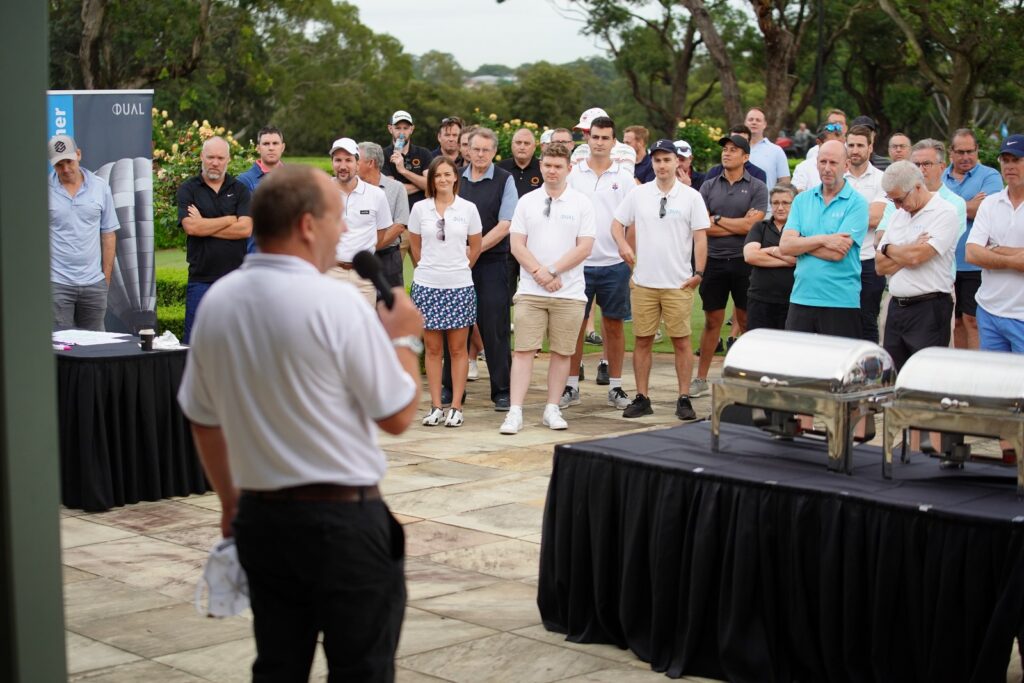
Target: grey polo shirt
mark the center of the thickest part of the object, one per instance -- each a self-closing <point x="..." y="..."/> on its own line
<point x="398" y="200"/>
<point x="732" y="200"/>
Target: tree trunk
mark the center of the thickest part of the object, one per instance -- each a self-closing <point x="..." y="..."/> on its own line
<point x="720" y="57"/>
<point x="88" y="52"/>
<point x="961" y="95"/>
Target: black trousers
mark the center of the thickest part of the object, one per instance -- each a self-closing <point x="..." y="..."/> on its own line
<point x="872" y="286"/>
<point x="336" y="568"/>
<point x="766" y="314"/>
<point x="391" y="264"/>
<point x="908" y="329"/>
<point x="838" y="322"/>
<point x="490" y="279"/>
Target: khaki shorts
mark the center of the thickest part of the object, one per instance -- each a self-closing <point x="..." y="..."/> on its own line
<point x="365" y="287"/>
<point x="559" y="319"/>
<point x="651" y="306"/>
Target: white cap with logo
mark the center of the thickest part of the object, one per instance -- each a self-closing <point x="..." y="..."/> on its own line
<point x="588" y="116"/>
<point x="347" y="144"/>
<point x="401" y="115"/>
<point x="61" y="147"/>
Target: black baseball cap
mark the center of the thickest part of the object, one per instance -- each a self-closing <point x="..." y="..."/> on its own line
<point x="664" y="146"/>
<point x="737" y="140"/>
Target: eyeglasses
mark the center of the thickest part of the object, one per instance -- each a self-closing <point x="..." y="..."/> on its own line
<point x="547" y="207"/>
<point x="925" y="164"/>
<point x="898" y="201"/>
<point x="780" y="203"/>
<point x="662" y="210"/>
<point x="440" y="229"/>
<point x="965" y="152"/>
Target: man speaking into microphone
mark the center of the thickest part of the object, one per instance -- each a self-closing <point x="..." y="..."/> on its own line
<point x="289" y="376"/>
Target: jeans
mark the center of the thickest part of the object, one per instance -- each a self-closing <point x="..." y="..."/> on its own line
<point x="79" y="307"/>
<point x="194" y="292"/>
<point x="335" y="568"/>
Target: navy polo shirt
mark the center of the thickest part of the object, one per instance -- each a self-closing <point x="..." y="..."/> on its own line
<point x="210" y="258"/>
<point x="644" y="170"/>
<point x="417" y="160"/>
<point x="526" y="179"/>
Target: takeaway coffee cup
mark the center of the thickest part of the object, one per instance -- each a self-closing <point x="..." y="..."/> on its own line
<point x="147" y="339"/>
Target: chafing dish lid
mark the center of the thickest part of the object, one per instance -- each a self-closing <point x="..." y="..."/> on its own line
<point x="962" y="372"/>
<point x="808" y="359"/>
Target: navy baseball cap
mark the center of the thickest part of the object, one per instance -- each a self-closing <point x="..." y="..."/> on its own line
<point x="1013" y="144"/>
<point x="664" y="146"/>
<point x="737" y="140"/>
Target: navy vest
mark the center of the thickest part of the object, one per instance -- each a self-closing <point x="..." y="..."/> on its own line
<point x="486" y="194"/>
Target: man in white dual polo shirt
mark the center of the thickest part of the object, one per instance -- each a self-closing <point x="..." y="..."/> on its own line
<point x="289" y="377"/>
<point x="367" y="215"/>
<point x="657" y="228"/>
<point x="918" y="253"/>
<point x="552" y="233"/>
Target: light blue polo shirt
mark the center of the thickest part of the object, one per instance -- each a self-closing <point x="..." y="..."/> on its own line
<point x="979" y="179"/>
<point x="830" y="284"/>
<point x="75" y="227"/>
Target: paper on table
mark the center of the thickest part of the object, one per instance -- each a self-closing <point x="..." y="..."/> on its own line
<point x="88" y="337"/>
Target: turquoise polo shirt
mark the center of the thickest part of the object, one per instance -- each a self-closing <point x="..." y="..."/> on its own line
<point x="830" y="284"/>
<point x="979" y="179"/>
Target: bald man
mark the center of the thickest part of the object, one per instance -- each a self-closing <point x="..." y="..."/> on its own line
<point x="213" y="210"/>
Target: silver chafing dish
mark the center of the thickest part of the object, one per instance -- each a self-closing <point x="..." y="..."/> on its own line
<point x="835" y="379"/>
<point x="958" y="392"/>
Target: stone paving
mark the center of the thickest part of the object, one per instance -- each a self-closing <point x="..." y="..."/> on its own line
<point x="471" y="503"/>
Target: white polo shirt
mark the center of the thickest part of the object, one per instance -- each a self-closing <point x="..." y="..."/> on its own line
<point x="868" y="186"/>
<point x="939" y="219"/>
<point x="444" y="264"/>
<point x="366" y="211"/>
<point x="621" y="153"/>
<point x="997" y="223"/>
<point x="805" y="175"/>
<point x="294" y="368"/>
<point x="548" y="238"/>
<point x="606" y="192"/>
<point x="663" y="245"/>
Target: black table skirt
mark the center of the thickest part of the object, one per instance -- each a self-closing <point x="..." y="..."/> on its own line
<point x="757" y="564"/>
<point x="123" y="438"/>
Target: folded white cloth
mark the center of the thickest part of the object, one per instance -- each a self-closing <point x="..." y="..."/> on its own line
<point x="225" y="581"/>
<point x="166" y="341"/>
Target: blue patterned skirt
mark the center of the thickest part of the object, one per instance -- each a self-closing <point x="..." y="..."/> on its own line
<point x="445" y="309"/>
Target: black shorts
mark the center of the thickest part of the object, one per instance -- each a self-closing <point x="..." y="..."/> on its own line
<point x="723" y="277"/>
<point x="966" y="287"/>
<point x="837" y="322"/>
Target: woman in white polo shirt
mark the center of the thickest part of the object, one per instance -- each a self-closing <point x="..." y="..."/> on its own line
<point x="444" y="236"/>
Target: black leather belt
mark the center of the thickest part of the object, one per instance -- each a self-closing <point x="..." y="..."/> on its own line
<point x="911" y="300"/>
<point x="388" y="250"/>
<point x="319" y="493"/>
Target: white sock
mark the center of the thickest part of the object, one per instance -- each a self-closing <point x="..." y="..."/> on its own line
<point x="573" y="382"/>
<point x="614" y="382"/>
<point x="551" y="406"/>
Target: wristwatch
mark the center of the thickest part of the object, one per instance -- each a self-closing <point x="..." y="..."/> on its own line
<point x="699" y="273"/>
<point x="885" y="248"/>
<point x="409" y="341"/>
<point x="552" y="271"/>
<point x="717" y="217"/>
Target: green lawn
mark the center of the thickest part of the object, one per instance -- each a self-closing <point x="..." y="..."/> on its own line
<point x="323" y="162"/>
<point x="174" y="258"/>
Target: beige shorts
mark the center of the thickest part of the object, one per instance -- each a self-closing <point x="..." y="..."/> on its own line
<point x="559" y="319"/>
<point x="365" y="287"/>
<point x="651" y="306"/>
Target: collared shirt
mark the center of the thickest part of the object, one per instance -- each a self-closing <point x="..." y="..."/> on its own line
<point x="526" y="179"/>
<point x="732" y="200"/>
<point x="398" y="202"/>
<point x="444" y="263"/>
<point x="606" y="191"/>
<point x="997" y="223"/>
<point x="210" y="258"/>
<point x="817" y="282"/>
<point x="76" y="253"/>
<point x="750" y="168"/>
<point x="621" y="154"/>
<point x="939" y="219"/>
<point x="251" y="179"/>
<point x="664" y="245"/>
<point x="366" y="212"/>
<point x="805" y="175"/>
<point x="295" y="368"/>
<point x="770" y="158"/>
<point x="773" y="285"/>
<point x="417" y="160"/>
<point x="961" y="212"/>
<point x="495" y="197"/>
<point x="644" y="170"/>
<point x="869" y="185"/>
<point x="549" y="237"/>
<point x="981" y="178"/>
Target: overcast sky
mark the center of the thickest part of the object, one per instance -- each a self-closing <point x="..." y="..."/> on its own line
<point x="481" y="31"/>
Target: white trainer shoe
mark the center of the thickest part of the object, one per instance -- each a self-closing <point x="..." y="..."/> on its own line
<point x="513" y="422"/>
<point x="433" y="418"/>
<point x="474" y="371"/>
<point x="454" y="418"/>
<point x="553" y="418"/>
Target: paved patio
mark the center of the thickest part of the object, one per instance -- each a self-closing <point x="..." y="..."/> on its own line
<point x="471" y="501"/>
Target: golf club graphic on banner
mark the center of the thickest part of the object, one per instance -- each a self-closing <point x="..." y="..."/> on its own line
<point x="113" y="128"/>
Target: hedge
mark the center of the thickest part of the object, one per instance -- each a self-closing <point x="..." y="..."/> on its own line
<point x="170" y="300"/>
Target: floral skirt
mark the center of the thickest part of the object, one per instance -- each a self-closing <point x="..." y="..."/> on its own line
<point x="445" y="309"/>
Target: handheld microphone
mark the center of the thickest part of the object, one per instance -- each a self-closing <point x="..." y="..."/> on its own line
<point x="368" y="267"/>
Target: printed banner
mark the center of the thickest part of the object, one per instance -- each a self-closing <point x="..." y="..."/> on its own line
<point x="113" y="128"/>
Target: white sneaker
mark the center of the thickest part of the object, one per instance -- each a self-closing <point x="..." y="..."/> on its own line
<point x="553" y="418"/>
<point x="433" y="418"/>
<point x="513" y="422"/>
<point x="474" y="371"/>
<point x="454" y="418"/>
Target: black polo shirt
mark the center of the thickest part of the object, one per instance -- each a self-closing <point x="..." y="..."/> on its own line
<point x="644" y="170"/>
<point x="772" y="285"/>
<point x="417" y="160"/>
<point x="526" y="179"/>
<point x="732" y="200"/>
<point x="210" y="258"/>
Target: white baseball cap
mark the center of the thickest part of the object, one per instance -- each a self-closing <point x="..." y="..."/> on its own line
<point x="588" y="116"/>
<point x="683" y="148"/>
<point x="401" y="115"/>
<point x="347" y="144"/>
<point x="546" y="136"/>
<point x="61" y="148"/>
